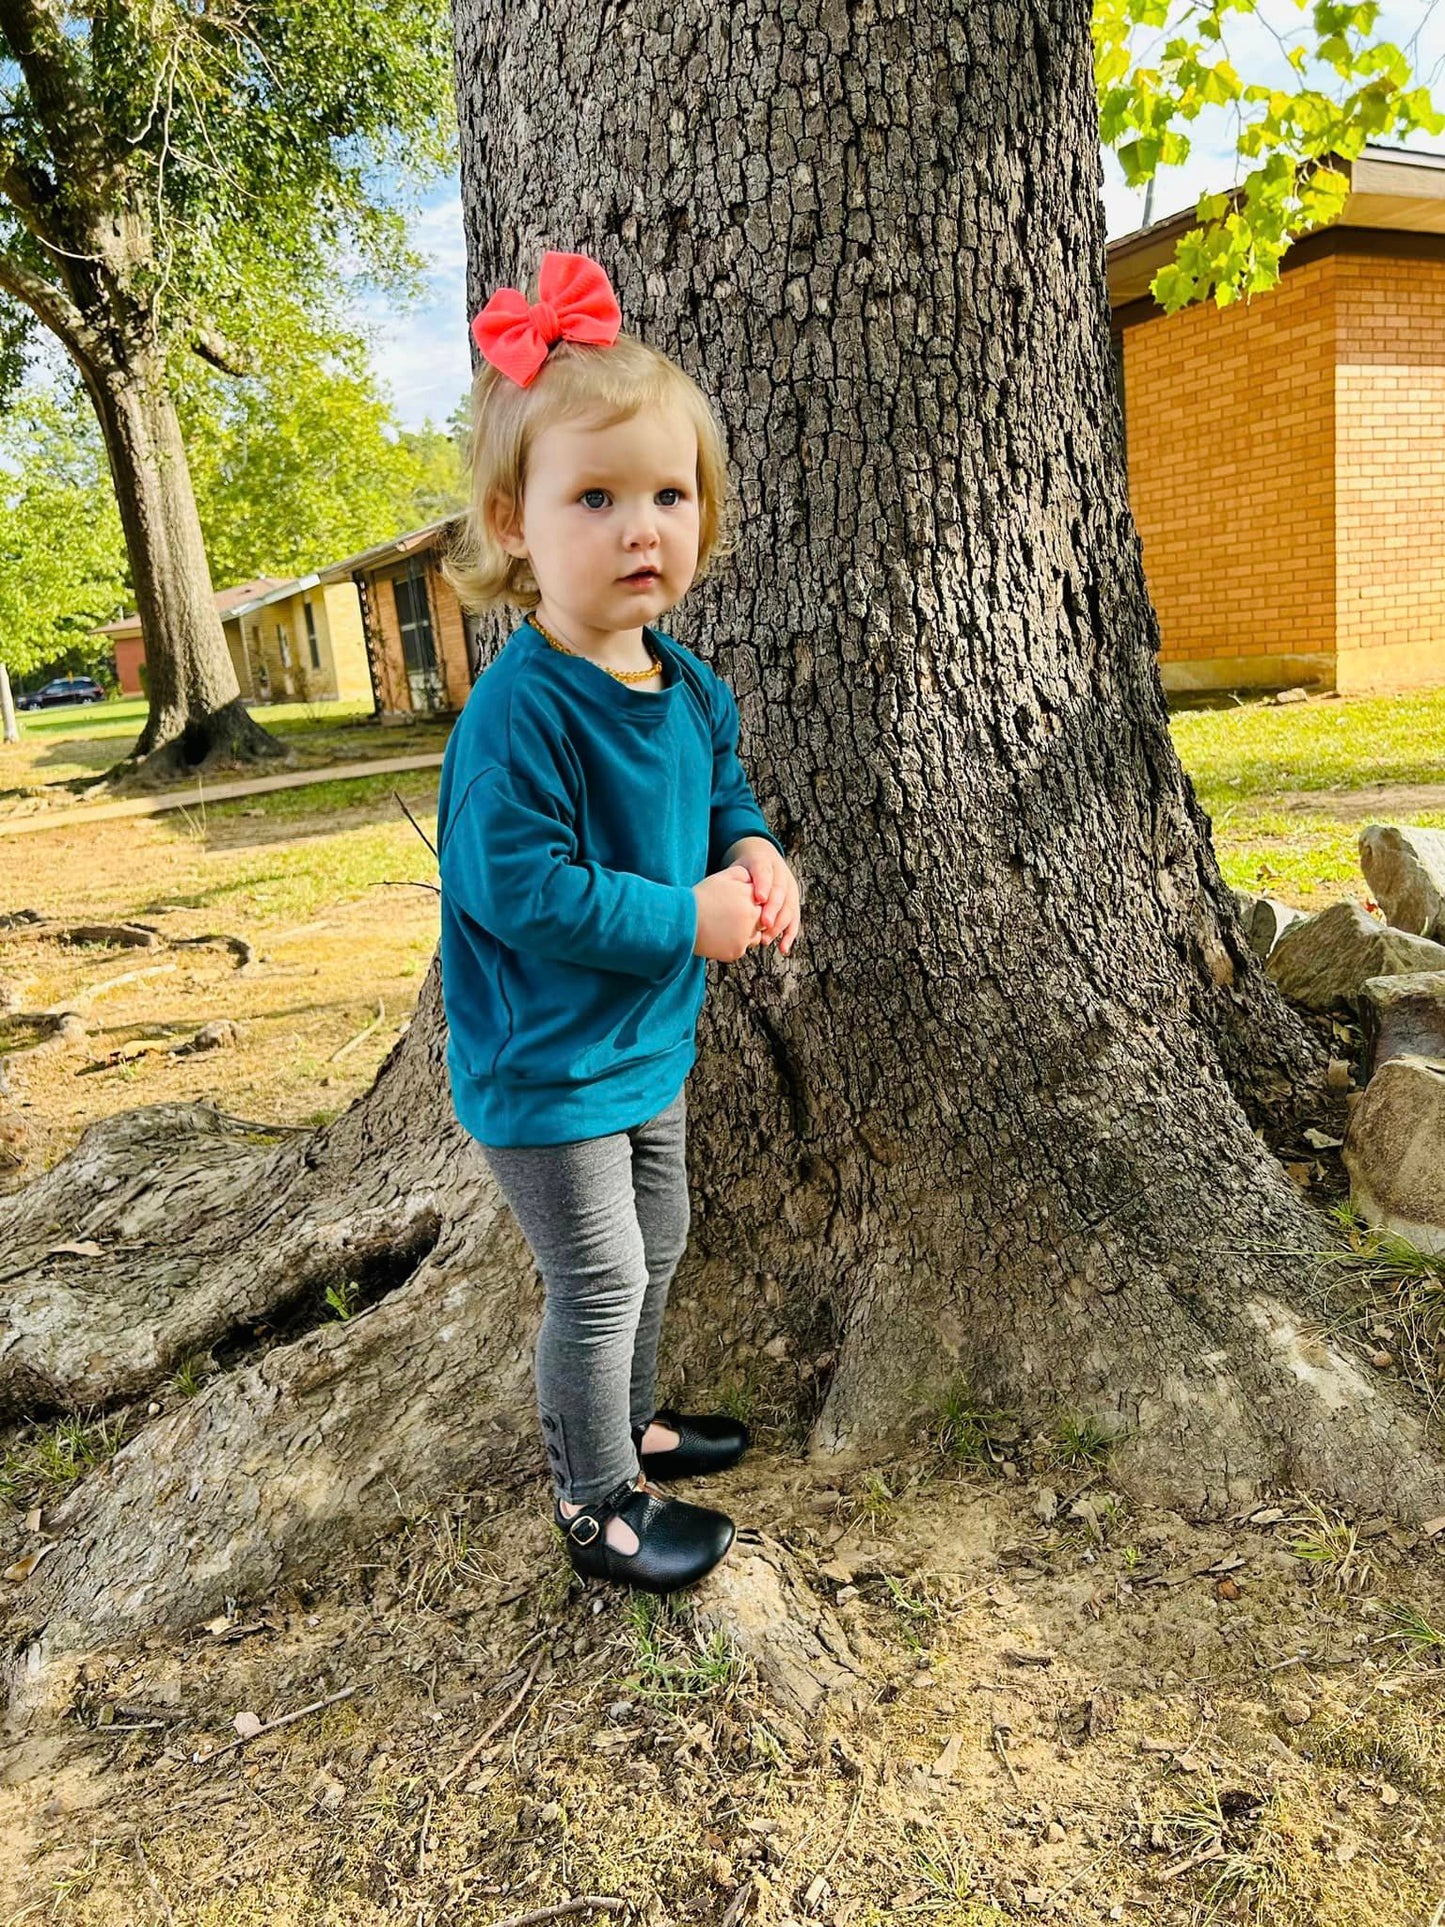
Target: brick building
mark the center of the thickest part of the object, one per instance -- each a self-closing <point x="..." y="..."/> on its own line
<point x="129" y="642"/>
<point x="421" y="647"/>
<point x="300" y="641"/>
<point x="1287" y="454"/>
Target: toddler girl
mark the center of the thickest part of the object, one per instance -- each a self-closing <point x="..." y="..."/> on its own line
<point x="598" y="840"/>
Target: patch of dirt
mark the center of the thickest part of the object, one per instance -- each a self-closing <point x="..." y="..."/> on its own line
<point x="1386" y="802"/>
<point x="1105" y="1716"/>
<point x="326" y="962"/>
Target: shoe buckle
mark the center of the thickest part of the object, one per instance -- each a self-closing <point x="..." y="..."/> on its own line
<point x="583" y="1519"/>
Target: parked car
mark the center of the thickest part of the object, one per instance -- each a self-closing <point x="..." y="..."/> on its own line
<point x="65" y="689"/>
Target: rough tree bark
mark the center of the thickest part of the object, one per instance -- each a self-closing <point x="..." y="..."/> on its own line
<point x="196" y="716"/>
<point x="993" y="1122"/>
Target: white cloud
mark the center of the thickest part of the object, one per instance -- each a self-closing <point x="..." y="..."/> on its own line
<point x="423" y="356"/>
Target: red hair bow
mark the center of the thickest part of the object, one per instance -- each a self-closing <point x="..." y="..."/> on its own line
<point x="574" y="302"/>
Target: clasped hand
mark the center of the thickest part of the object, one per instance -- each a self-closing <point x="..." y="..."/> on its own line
<point x="754" y="901"/>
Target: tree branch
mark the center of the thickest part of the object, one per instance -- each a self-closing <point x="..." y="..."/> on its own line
<point x="28" y="191"/>
<point x="51" y="306"/>
<point x="222" y="354"/>
<point x="35" y="36"/>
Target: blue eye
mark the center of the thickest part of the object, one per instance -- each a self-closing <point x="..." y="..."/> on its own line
<point x="595" y="498"/>
<point x="669" y="497"/>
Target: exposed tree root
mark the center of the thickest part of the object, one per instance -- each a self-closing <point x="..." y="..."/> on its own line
<point x="126" y="936"/>
<point x="220" y="1238"/>
<point x="54" y="1030"/>
<point x="799" y="1647"/>
<point x="175" y="749"/>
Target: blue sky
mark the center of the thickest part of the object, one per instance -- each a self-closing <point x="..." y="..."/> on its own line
<point x="423" y="357"/>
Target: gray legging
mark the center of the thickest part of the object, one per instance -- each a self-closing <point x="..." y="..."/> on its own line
<point x="607" y="1219"/>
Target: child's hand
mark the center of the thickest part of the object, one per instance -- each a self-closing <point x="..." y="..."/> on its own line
<point x="775" y="890"/>
<point x="727" y="916"/>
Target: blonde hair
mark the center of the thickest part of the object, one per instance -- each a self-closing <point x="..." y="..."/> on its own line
<point x="603" y="385"/>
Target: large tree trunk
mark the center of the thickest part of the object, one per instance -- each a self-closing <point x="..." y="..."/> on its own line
<point x="196" y="717"/>
<point x="993" y="1121"/>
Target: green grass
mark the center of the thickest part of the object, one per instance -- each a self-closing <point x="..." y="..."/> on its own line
<point x="1258" y="749"/>
<point x="674" y="1661"/>
<point x="56" y="1455"/>
<point x="63" y="745"/>
<point x="1079" y="1441"/>
<point x="1243" y="760"/>
<point x="328" y="862"/>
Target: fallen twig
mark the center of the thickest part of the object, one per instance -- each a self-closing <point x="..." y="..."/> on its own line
<point x="1002" y="1752"/>
<point x="365" y="1031"/>
<point x="415" y="825"/>
<point x="421" y="1838"/>
<point x="150" y="1877"/>
<point x="1074" y="1878"/>
<point x="585" y="1903"/>
<point x="827" y="1866"/>
<point x="1211" y="1851"/>
<point x="496" y="1726"/>
<point x="203" y="1759"/>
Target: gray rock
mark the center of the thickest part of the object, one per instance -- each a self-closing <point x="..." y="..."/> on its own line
<point x="1405" y="869"/>
<point x="1395" y="1152"/>
<point x="1404" y="1016"/>
<point x="1265" y="920"/>
<point x="1322" y="962"/>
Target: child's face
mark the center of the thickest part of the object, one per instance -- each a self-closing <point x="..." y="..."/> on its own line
<point x="609" y="519"/>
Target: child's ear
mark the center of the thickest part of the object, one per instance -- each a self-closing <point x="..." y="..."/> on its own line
<point x="504" y="518"/>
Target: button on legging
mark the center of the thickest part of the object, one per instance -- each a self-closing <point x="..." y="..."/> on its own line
<point x="606" y="1218"/>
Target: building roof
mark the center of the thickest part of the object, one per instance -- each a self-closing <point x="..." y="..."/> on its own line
<point x="384" y="552"/>
<point x="282" y="590"/>
<point x="228" y="602"/>
<point x="1392" y="189"/>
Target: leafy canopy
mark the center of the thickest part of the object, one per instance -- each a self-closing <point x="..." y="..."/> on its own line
<point x="257" y="157"/>
<point x="1160" y="64"/>
<point x="291" y="469"/>
<point x="62" y="556"/>
<point x="304" y="462"/>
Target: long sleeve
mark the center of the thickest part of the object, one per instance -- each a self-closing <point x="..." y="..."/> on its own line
<point x="735" y="811"/>
<point x="509" y="861"/>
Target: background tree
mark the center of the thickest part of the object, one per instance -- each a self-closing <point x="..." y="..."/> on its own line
<point x="306" y="462"/>
<point x="172" y="177"/>
<point x="62" y="553"/>
<point x="993" y="1125"/>
<point x="292" y="469"/>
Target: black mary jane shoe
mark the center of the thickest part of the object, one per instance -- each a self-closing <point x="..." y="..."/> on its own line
<point x="709" y="1442"/>
<point x="677" y="1543"/>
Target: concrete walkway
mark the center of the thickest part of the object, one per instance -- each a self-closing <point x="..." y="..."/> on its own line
<point x="189" y="799"/>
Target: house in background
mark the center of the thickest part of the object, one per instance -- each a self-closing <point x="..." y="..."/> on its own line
<point x="1287" y="454"/>
<point x="422" y="647"/>
<point x="302" y="641"/>
<point x="129" y="642"/>
<point x="297" y="640"/>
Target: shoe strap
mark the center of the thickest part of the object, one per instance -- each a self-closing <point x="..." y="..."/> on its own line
<point x="616" y="1503"/>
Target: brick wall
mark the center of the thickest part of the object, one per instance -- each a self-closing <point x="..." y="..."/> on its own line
<point x="1231" y="435"/>
<point x="1390" y="513"/>
<point x="447" y="634"/>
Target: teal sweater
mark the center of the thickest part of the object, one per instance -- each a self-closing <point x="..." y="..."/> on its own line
<point x="574" y="816"/>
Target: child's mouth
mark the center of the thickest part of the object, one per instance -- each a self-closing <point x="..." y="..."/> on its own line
<point x="642" y="578"/>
